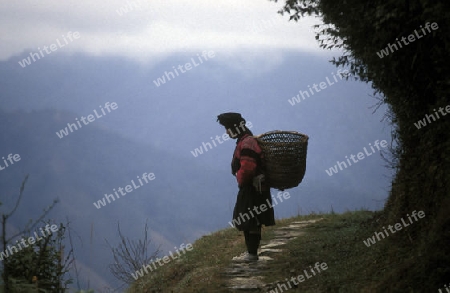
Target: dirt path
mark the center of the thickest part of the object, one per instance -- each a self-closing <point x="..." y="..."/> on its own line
<point x="242" y="276"/>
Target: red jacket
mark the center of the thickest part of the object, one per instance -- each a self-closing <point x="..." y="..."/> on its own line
<point x="247" y="160"/>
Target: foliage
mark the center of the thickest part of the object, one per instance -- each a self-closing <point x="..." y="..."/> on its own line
<point x="37" y="267"/>
<point x="202" y="269"/>
<point x="42" y="264"/>
<point x="414" y="81"/>
<point x="130" y="256"/>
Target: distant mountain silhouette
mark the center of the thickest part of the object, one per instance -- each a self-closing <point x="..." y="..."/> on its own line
<point x="155" y="129"/>
<point x="80" y="168"/>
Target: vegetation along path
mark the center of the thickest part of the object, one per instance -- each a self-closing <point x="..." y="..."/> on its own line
<point x="313" y="253"/>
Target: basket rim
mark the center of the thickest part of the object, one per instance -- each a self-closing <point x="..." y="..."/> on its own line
<point x="280" y="132"/>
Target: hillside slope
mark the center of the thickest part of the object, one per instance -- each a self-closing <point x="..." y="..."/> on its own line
<point x="333" y="255"/>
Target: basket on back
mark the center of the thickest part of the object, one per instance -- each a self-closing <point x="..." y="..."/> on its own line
<point x="284" y="157"/>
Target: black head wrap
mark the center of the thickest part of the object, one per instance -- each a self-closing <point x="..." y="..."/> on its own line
<point x="229" y="120"/>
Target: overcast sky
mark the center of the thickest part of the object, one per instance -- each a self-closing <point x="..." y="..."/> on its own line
<point x="272" y="59"/>
<point x="151" y="30"/>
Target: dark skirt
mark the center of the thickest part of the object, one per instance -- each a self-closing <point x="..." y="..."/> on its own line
<point x="253" y="209"/>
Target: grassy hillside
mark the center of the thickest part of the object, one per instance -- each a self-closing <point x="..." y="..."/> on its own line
<point x="337" y="240"/>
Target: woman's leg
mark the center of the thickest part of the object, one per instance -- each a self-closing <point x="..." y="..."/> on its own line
<point x="254" y="238"/>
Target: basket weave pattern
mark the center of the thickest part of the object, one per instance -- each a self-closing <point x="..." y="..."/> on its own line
<point x="284" y="157"/>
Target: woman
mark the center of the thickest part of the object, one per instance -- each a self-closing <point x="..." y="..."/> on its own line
<point x="253" y="206"/>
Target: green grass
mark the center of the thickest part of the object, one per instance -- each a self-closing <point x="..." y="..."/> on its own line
<point x="199" y="269"/>
<point x="336" y="240"/>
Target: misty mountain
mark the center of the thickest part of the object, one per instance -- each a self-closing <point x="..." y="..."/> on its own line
<point x="80" y="168"/>
<point x="155" y="129"/>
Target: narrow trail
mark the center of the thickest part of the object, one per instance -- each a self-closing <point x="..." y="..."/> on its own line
<point x="247" y="276"/>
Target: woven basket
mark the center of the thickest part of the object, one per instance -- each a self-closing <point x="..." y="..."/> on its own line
<point x="284" y="157"/>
